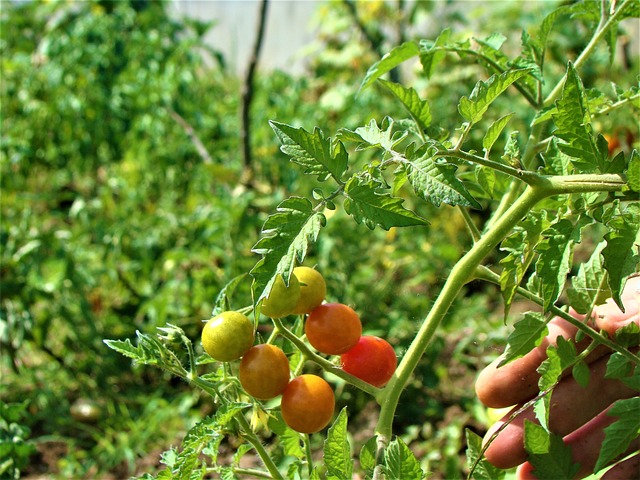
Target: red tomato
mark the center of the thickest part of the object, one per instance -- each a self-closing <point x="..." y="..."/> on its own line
<point x="372" y="360"/>
<point x="333" y="328"/>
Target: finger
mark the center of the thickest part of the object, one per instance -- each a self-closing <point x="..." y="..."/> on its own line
<point x="610" y="318"/>
<point x="517" y="381"/>
<point x="629" y="468"/>
<point x="571" y="407"/>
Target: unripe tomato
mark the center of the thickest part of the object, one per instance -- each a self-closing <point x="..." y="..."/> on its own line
<point x="372" y="360"/>
<point x="227" y="336"/>
<point x="282" y="299"/>
<point x="313" y="289"/>
<point x="307" y="404"/>
<point x="333" y="328"/>
<point x="264" y="371"/>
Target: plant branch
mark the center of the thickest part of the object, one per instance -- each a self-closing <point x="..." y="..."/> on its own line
<point x="247" y="88"/>
<point x="191" y="133"/>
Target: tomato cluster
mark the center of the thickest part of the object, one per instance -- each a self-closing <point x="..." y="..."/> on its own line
<point x="307" y="403"/>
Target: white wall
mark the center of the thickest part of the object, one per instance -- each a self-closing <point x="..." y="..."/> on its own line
<point x="288" y="30"/>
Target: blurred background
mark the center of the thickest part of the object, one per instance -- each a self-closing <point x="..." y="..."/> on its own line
<point x="127" y="203"/>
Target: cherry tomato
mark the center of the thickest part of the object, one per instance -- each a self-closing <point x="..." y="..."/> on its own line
<point x="264" y="371"/>
<point x="313" y="289"/>
<point x="307" y="404"/>
<point x="333" y="328"/>
<point x="372" y="360"/>
<point x="227" y="336"/>
<point x="282" y="299"/>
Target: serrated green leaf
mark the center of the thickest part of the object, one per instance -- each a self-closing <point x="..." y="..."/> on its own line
<point x="473" y="107"/>
<point x="494" y="131"/>
<point x="368" y="455"/>
<point x="389" y="61"/>
<point x="286" y="236"/>
<point x="337" y="449"/>
<point x="366" y="205"/>
<point x="418" y="109"/>
<point x="581" y="374"/>
<point x="586" y="285"/>
<point x="483" y="469"/>
<point x="621" y="253"/>
<point x="292" y="443"/>
<point x="527" y="334"/>
<point x="521" y="247"/>
<point x="555" y="256"/>
<point x="573" y="120"/>
<point x="620" y="434"/>
<point x="618" y="366"/>
<point x="400" y="462"/>
<point x="432" y="53"/>
<point x="380" y="137"/>
<point x="436" y="181"/>
<point x="548" y="454"/>
<point x="313" y="151"/>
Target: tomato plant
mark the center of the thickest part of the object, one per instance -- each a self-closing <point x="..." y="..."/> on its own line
<point x="307" y="404"/>
<point x="227" y="336"/>
<point x="313" y="289"/>
<point x="282" y="298"/>
<point x="333" y="328"/>
<point x="372" y="359"/>
<point x="264" y="371"/>
<point x="523" y="164"/>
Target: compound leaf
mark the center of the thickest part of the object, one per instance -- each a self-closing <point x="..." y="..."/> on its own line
<point x="389" y="61"/>
<point x="622" y="432"/>
<point x="473" y="107"/>
<point x="366" y="205"/>
<point x="526" y="335"/>
<point x="313" y="151"/>
<point x="337" y="450"/>
<point x="286" y="236"/>
<point x="417" y="108"/>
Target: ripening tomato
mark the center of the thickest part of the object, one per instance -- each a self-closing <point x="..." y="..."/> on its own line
<point x="264" y="371"/>
<point x="227" y="336"/>
<point x="307" y="404"/>
<point x="333" y="328"/>
<point x="372" y="360"/>
<point x="313" y="289"/>
<point x="282" y="299"/>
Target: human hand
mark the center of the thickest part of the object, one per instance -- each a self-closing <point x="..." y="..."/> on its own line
<point x="577" y="414"/>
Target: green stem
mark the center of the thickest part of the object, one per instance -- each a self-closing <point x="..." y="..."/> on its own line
<point x="308" y="454"/>
<point x="248" y="434"/>
<point x="606" y="22"/>
<point x="471" y="226"/>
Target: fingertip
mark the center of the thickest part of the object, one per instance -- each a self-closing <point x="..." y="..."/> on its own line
<point x="525" y="472"/>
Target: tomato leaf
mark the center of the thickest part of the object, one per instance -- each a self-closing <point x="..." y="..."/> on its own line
<point x="621" y="253"/>
<point x="483" y="469"/>
<point x="389" y="61"/>
<point x="368" y="455"/>
<point x="374" y="136"/>
<point x="620" y="434"/>
<point x="556" y="252"/>
<point x="400" y="462"/>
<point x="337" y="449"/>
<point x="473" y="107"/>
<point x="494" y="131"/>
<point x="527" y="334"/>
<point x="313" y="151"/>
<point x="222" y="302"/>
<point x="435" y="180"/>
<point x="417" y="108"/>
<point x="548" y="454"/>
<point x="633" y="172"/>
<point x="585" y="286"/>
<point x="366" y="205"/>
<point x="286" y="235"/>
<point x="433" y="52"/>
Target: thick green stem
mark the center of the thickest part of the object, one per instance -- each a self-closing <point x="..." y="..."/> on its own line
<point x="460" y="275"/>
<point x="466" y="268"/>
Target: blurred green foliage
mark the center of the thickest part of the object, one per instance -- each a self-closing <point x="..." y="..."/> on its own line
<point x="125" y="205"/>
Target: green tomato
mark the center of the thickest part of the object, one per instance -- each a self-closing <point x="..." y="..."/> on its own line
<point x="282" y="299"/>
<point x="228" y="336"/>
<point x="313" y="289"/>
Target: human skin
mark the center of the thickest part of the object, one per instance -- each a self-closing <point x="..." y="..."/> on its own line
<point x="576" y="413"/>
